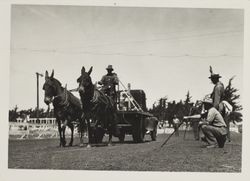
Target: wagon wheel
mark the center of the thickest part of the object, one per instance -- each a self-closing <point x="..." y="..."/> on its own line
<point x="122" y="136"/>
<point x="138" y="131"/>
<point x="99" y="133"/>
<point x="153" y="134"/>
<point x="91" y="135"/>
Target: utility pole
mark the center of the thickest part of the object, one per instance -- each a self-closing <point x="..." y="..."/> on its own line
<point x="37" y="89"/>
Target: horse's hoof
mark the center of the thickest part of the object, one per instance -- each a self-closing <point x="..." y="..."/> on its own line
<point x="62" y="144"/>
<point x="88" y="146"/>
<point x="81" y="145"/>
<point x="70" y="144"/>
<point x="110" y="144"/>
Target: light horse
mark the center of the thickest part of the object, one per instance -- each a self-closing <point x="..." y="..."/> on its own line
<point x="225" y="108"/>
<point x="67" y="107"/>
<point x="97" y="107"/>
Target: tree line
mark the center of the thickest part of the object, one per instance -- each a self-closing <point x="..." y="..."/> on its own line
<point x="33" y="113"/>
<point x="165" y="110"/>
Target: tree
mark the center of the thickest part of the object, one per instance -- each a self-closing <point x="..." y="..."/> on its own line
<point x="156" y="110"/>
<point x="188" y="98"/>
<point x="167" y="112"/>
<point x="231" y="96"/>
<point x="188" y="104"/>
<point x="13" y="114"/>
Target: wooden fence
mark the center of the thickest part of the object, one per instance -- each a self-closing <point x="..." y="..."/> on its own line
<point x="34" y="128"/>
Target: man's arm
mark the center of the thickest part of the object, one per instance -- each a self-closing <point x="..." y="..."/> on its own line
<point x="211" y="115"/>
<point x="116" y="80"/>
<point x="101" y="81"/>
<point x="217" y="96"/>
<point x="197" y="116"/>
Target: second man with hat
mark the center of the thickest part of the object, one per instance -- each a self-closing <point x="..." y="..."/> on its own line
<point x="213" y="126"/>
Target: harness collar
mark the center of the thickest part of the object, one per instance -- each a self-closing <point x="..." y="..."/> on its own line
<point x="64" y="102"/>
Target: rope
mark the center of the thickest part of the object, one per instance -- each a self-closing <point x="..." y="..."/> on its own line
<point x="73" y="90"/>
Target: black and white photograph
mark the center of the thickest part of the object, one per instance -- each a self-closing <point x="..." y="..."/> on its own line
<point x="123" y="88"/>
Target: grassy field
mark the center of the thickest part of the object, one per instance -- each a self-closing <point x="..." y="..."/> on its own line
<point x="178" y="155"/>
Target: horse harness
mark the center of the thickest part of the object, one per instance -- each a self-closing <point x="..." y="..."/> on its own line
<point x="98" y="98"/>
<point x="64" y="103"/>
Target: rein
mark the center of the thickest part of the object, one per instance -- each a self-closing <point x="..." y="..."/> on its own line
<point x="100" y="97"/>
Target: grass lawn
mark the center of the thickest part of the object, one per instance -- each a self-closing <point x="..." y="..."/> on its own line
<point x="178" y="155"/>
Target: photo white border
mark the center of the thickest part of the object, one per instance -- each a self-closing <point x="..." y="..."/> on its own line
<point x="24" y="174"/>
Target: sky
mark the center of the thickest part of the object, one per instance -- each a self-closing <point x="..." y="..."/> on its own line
<point x="164" y="51"/>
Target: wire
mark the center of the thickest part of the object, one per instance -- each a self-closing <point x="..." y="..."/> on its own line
<point x="127" y="54"/>
<point x="163" y="39"/>
<point x="169" y="38"/>
<point x="14" y="50"/>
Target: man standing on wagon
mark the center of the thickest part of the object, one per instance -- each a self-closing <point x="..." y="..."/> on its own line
<point x="109" y="83"/>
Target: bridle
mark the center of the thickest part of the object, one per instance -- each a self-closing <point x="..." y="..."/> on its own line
<point x="64" y="102"/>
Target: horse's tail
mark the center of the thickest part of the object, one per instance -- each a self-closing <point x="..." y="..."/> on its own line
<point x="225" y="108"/>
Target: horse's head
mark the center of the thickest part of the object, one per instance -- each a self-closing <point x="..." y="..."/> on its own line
<point x="50" y="87"/>
<point x="84" y="81"/>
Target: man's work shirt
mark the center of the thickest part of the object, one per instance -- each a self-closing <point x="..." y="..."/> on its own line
<point x="176" y="121"/>
<point x="109" y="81"/>
<point x="217" y="94"/>
<point x="215" y="118"/>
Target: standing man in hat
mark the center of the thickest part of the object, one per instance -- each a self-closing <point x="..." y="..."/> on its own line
<point x="218" y="92"/>
<point x="109" y="83"/>
<point x="212" y="125"/>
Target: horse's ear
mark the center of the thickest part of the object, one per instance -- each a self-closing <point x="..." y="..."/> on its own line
<point x="46" y="75"/>
<point x="90" y="70"/>
<point x="79" y="79"/>
<point x="83" y="70"/>
<point x="52" y="74"/>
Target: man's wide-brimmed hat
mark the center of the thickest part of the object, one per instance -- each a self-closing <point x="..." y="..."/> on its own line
<point x="208" y="100"/>
<point x="214" y="76"/>
<point x="109" y="67"/>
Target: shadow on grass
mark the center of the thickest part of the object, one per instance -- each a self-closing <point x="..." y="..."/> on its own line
<point x="104" y="144"/>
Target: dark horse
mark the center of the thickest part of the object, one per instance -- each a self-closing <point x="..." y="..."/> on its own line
<point x="67" y="107"/>
<point x="96" y="107"/>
